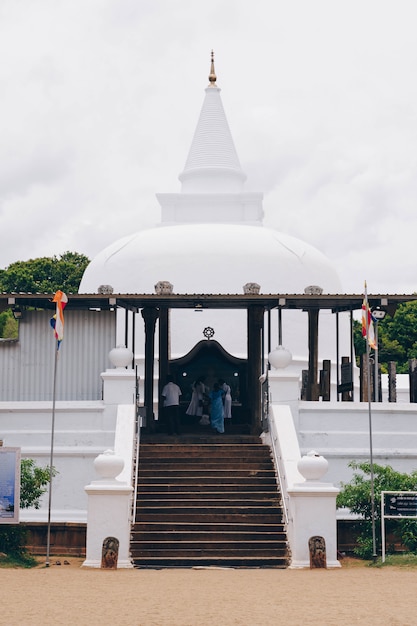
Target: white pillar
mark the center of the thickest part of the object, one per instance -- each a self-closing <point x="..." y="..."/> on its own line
<point x="313" y="512"/>
<point x="108" y="514"/>
<point x="119" y="383"/>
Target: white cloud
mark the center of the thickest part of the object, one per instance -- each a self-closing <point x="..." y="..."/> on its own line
<point x="100" y="101"/>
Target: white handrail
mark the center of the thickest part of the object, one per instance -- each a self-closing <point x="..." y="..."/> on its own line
<point x="279" y="468"/>
<point x="136" y="468"/>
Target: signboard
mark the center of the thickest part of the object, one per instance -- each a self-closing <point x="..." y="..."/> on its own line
<point x="400" y="504"/>
<point x="9" y="485"/>
<point x="396" y="505"/>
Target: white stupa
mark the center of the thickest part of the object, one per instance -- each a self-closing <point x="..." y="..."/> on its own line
<point x="211" y="240"/>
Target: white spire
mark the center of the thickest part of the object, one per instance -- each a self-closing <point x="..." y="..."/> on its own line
<point x="212" y="180"/>
<point x="212" y="163"/>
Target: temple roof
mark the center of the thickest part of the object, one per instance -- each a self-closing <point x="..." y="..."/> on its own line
<point x="334" y="302"/>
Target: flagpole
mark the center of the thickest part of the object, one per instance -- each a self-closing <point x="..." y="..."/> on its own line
<point x="371" y="460"/>
<point x="51" y="459"/>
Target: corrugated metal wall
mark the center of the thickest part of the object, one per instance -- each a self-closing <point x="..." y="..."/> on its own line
<point x="27" y="366"/>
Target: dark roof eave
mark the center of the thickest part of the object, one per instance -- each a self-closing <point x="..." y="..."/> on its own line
<point x="134" y="302"/>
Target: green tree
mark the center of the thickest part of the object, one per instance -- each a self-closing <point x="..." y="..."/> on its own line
<point x="33" y="483"/>
<point x="397" y="338"/>
<point x="356" y="496"/>
<point x="8" y="325"/>
<point x="44" y="274"/>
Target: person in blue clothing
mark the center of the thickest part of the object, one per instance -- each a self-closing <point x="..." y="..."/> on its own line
<point x="217" y="408"/>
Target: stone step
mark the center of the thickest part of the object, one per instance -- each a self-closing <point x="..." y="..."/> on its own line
<point x="204" y="451"/>
<point x="197" y="504"/>
<point x="188" y="478"/>
<point x="192" y="472"/>
<point x="220" y="561"/>
<point x="217" y="536"/>
<point x="146" y="489"/>
<point x="207" y="527"/>
<point x="214" y="494"/>
<point x="258" y="507"/>
<point x="206" y="466"/>
<point x="219" y="517"/>
<point x="206" y="458"/>
<point x="203" y="438"/>
<point x="206" y="549"/>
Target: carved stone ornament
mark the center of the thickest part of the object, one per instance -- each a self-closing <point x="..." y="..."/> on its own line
<point x="110" y="553"/>
<point x="313" y="290"/>
<point x="163" y="288"/>
<point x="251" y="288"/>
<point x="317" y="549"/>
<point x="105" y="289"/>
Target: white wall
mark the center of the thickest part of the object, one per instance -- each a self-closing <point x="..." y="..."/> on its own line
<point x="82" y="431"/>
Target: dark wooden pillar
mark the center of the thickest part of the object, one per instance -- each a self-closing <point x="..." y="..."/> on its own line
<point x="313" y="389"/>
<point x="392" y="381"/>
<point x="325" y="380"/>
<point x="164" y="350"/>
<point x="255" y="333"/>
<point x="150" y="315"/>
<point x="412" y="374"/>
<point x="347" y="379"/>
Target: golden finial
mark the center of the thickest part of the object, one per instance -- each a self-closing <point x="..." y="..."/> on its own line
<point x="212" y="76"/>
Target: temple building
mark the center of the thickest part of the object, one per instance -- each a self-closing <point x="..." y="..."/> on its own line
<point x="208" y="293"/>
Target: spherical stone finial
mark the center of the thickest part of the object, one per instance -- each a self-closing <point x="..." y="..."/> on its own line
<point x="312" y="466"/>
<point x="108" y="465"/>
<point x="212" y="76"/>
<point x="280" y="358"/>
<point x="120" y="357"/>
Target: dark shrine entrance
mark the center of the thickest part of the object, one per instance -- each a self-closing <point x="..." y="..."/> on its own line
<point x="208" y="359"/>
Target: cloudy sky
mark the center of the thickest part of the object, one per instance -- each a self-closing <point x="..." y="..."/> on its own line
<point x="100" y="99"/>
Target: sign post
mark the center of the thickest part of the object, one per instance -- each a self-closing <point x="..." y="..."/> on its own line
<point x="396" y="505"/>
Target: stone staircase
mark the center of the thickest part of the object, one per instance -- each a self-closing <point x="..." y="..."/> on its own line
<point x="208" y="501"/>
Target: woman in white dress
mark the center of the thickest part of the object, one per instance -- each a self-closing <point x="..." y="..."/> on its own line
<point x="195" y="407"/>
<point x="227" y="400"/>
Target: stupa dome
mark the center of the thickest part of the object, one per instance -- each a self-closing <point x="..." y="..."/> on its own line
<point x="212" y="259"/>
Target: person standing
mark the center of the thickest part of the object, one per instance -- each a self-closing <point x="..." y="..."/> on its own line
<point x="171" y="394"/>
<point x="195" y="408"/>
<point x="227" y="400"/>
<point x="217" y="409"/>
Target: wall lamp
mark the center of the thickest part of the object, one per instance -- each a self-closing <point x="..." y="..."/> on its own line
<point x="377" y="313"/>
<point x="17" y="312"/>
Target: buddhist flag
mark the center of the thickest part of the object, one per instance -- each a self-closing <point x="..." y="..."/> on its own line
<point x="368" y="331"/>
<point x="57" y="322"/>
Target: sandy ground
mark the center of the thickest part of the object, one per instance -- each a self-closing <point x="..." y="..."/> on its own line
<point x="69" y="594"/>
